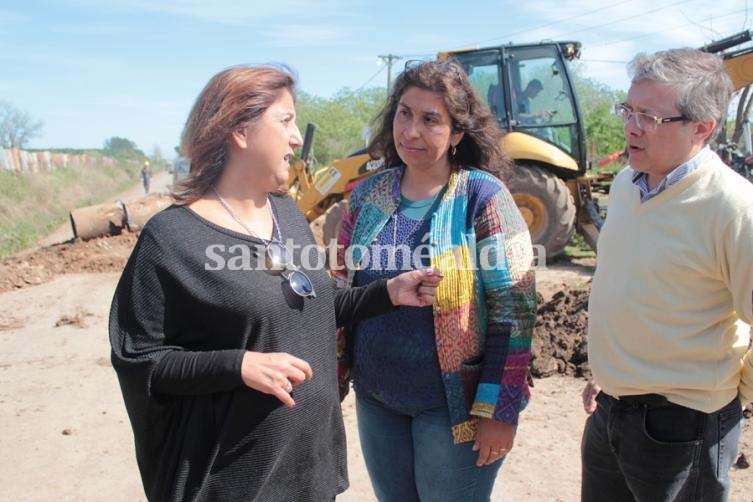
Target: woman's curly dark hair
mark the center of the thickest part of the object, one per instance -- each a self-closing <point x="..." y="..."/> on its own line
<point x="480" y="146"/>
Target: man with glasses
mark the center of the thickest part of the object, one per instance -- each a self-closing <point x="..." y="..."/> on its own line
<point x="671" y="296"/>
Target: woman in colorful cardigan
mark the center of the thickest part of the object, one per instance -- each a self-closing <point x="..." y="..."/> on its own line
<point x="438" y="390"/>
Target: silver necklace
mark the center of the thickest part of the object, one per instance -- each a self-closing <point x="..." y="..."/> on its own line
<point x="277" y="258"/>
<point x="276" y="227"/>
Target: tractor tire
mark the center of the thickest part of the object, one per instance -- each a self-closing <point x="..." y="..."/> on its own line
<point x="547" y="207"/>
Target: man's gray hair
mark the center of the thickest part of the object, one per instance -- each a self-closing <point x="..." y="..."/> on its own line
<point x="702" y="85"/>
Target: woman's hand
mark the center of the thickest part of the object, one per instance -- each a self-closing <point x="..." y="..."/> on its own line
<point x="274" y="373"/>
<point x="493" y="440"/>
<point x="416" y="288"/>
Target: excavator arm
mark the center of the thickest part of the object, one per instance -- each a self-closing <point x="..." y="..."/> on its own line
<point x="740" y="68"/>
<point x="738" y="62"/>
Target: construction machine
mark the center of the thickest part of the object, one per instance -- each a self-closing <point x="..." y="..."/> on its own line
<point x="545" y="137"/>
<point x="552" y="184"/>
<point x="737" y="61"/>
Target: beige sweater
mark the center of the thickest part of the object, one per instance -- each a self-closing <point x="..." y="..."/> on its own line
<point x="673" y="291"/>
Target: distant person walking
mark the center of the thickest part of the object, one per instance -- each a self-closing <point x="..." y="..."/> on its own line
<point x="146" y="176"/>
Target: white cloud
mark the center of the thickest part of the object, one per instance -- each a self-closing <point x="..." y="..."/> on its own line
<point x="684" y="22"/>
<point x="231" y="12"/>
<point x="305" y="35"/>
<point x="55" y="58"/>
<point x="611" y="35"/>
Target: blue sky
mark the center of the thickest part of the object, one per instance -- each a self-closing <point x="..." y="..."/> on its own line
<point x="93" y="69"/>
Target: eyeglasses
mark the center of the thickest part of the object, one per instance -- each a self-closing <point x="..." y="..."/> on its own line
<point x="278" y="259"/>
<point x="644" y="121"/>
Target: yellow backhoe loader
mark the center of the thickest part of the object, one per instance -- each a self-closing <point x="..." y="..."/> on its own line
<point x="551" y="184"/>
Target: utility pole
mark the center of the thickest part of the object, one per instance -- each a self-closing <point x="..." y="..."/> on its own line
<point x="389" y="59"/>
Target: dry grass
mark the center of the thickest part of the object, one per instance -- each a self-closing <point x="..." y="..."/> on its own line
<point x="31" y="205"/>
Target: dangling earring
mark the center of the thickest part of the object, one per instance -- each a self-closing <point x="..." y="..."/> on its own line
<point x="453" y="151"/>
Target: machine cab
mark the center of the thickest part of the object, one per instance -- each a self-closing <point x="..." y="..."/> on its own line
<point x="529" y="89"/>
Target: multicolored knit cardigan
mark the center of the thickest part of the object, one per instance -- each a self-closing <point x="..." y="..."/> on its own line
<point x="485" y="306"/>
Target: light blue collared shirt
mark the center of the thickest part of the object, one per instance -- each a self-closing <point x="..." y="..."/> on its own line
<point x="641" y="179"/>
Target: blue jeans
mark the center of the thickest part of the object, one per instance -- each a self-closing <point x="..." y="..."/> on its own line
<point x="653" y="451"/>
<point x="410" y="456"/>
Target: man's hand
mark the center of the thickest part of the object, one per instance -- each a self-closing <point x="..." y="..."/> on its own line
<point x="546" y="115"/>
<point x="589" y="396"/>
<point x="416" y="288"/>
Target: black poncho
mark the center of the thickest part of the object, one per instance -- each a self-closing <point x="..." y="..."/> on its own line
<point x="178" y="332"/>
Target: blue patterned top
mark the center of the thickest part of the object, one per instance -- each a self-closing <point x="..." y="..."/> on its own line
<point x="381" y="342"/>
<point x="485" y="306"/>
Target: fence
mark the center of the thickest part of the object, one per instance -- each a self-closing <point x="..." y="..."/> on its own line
<point x="22" y="161"/>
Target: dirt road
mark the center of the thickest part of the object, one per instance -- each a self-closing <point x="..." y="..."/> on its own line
<point x="66" y="435"/>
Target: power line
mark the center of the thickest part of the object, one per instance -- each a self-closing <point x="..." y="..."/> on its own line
<point x="645" y="35"/>
<point x="589" y="28"/>
<point x="394" y="58"/>
<point x="380" y="70"/>
<point x="553" y="23"/>
<point x="389" y="59"/>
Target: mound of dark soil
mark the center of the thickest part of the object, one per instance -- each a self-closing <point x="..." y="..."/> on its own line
<point x="559" y="337"/>
<point x="106" y="254"/>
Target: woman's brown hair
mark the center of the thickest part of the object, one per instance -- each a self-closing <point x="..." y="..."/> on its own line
<point x="232" y="99"/>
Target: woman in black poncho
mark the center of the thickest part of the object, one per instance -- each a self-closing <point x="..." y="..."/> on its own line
<point x="222" y="337"/>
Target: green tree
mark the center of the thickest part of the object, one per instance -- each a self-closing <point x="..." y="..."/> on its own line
<point x="341" y="120"/>
<point x="604" y="131"/>
<point x="121" y="147"/>
<point x="17" y="128"/>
